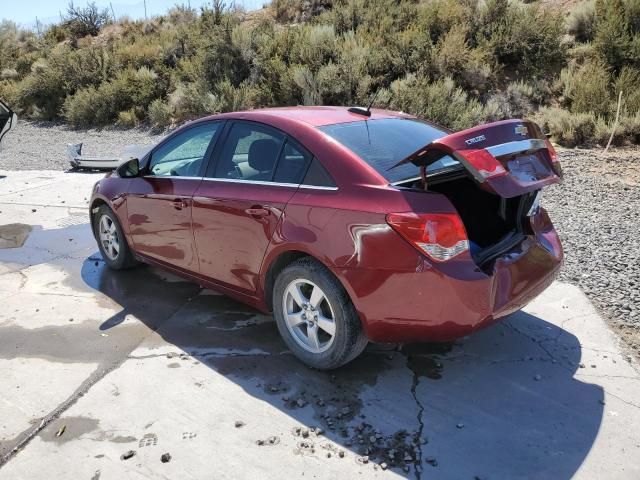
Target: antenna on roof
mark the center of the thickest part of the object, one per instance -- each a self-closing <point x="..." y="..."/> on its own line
<point x="364" y="111"/>
<point x="375" y="95"/>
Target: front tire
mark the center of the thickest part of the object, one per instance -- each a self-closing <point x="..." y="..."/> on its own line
<point x="111" y="240"/>
<point x="316" y="317"/>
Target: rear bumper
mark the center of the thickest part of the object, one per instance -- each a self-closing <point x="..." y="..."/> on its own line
<point x="429" y="305"/>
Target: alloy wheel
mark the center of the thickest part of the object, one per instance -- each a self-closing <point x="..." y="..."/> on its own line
<point x="309" y="316"/>
<point x="109" y="237"/>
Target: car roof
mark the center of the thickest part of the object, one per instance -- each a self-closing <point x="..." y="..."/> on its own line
<point x="314" y="116"/>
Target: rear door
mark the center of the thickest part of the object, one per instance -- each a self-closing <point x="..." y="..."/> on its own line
<point x="509" y="158"/>
<point x="159" y="201"/>
<point x="237" y="207"/>
<point x="8" y="120"/>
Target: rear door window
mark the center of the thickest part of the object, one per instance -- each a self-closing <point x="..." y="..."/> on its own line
<point x="250" y="152"/>
<point x="383" y="143"/>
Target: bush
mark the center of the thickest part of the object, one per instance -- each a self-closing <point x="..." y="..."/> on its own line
<point x="524" y="38"/>
<point x="628" y="82"/>
<point x="128" y="119"/>
<point x="83" y="21"/>
<point x="586" y="88"/>
<point x="514" y="102"/>
<point x="582" y="21"/>
<point x="130" y="89"/>
<point x="566" y="128"/>
<point x="441" y="102"/>
<point x="612" y="39"/>
<point x="159" y="113"/>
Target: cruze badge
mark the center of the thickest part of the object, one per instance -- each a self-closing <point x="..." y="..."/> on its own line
<point x="521" y="130"/>
<point x="479" y="138"/>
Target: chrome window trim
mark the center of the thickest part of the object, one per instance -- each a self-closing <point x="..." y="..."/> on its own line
<point x="518" y="146"/>
<point x="172" y="176"/>
<point x="264" y="182"/>
<point x="318" y="187"/>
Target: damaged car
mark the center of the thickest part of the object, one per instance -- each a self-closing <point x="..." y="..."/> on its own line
<point x="351" y="225"/>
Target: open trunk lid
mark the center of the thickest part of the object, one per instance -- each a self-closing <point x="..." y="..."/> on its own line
<point x="8" y="120"/>
<point x="508" y="158"/>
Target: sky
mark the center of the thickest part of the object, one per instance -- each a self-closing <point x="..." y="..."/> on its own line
<point x="24" y="12"/>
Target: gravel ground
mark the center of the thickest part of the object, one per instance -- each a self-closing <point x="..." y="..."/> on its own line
<point x="596" y="212"/>
<point x="595" y="209"/>
<point x="42" y="146"/>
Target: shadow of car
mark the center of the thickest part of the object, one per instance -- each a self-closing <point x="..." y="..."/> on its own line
<point x="503" y="403"/>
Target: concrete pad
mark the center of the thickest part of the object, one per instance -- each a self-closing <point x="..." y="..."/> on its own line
<point x="153" y="364"/>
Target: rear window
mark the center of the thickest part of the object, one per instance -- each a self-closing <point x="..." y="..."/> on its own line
<point x="383" y="143"/>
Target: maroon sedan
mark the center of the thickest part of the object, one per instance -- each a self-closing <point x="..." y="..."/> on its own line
<point x="350" y="225"/>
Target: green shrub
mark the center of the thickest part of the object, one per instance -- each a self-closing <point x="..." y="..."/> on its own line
<point x="582" y="21"/>
<point x="159" y="113"/>
<point x="628" y="82"/>
<point x="612" y="39"/>
<point x="524" y="38"/>
<point x="603" y="130"/>
<point x="191" y="100"/>
<point x="566" y="128"/>
<point x="586" y="88"/>
<point x="441" y="102"/>
<point x="128" y="119"/>
<point x="8" y="74"/>
<point x="514" y="102"/>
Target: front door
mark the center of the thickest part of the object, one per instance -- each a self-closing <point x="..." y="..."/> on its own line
<point x="238" y="205"/>
<point x="159" y="201"/>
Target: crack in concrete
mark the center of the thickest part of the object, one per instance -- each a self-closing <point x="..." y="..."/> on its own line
<point x="418" y="434"/>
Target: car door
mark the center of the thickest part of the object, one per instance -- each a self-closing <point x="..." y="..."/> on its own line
<point x="8" y="120"/>
<point x="237" y="207"/>
<point x="159" y="201"/>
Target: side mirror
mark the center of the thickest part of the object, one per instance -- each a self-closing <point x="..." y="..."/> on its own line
<point x="129" y="169"/>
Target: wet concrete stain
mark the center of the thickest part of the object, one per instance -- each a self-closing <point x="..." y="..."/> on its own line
<point x="74" y="427"/>
<point x="173" y="365"/>
<point x="14" y="235"/>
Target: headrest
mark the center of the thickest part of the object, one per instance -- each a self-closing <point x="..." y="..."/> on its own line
<point x="263" y="154"/>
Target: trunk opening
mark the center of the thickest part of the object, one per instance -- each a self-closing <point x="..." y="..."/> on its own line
<point x="494" y="224"/>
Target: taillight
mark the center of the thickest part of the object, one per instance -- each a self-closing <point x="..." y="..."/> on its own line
<point x="440" y="235"/>
<point x="485" y="163"/>
<point x="555" y="162"/>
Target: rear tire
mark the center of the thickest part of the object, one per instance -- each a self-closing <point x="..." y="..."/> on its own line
<point x="316" y="317"/>
<point x="111" y="240"/>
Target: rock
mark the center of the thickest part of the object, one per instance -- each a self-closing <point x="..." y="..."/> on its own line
<point x="301" y="402"/>
<point x="538" y="377"/>
<point x="383" y="466"/>
<point x="341" y="453"/>
<point x="239" y="424"/>
<point x="165" y="458"/>
<point x="460" y="425"/>
<point x="127" y="455"/>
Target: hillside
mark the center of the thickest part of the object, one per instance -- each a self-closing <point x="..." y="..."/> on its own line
<point x="458" y="63"/>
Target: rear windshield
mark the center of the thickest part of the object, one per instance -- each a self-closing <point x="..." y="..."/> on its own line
<point x="383" y="143"/>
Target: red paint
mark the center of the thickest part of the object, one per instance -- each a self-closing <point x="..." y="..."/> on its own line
<point x="227" y="235"/>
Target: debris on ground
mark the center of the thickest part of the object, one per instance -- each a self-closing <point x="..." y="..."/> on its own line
<point x="165" y="458"/>
<point x="273" y="440"/>
<point x="61" y="430"/>
<point x="127" y="455"/>
<point x="239" y="424"/>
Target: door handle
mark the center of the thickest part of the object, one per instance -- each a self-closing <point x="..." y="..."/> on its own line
<point x="257" y="212"/>
<point x="180" y="203"/>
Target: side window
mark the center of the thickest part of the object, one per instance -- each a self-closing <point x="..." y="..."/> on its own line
<point x="317" y="175"/>
<point x="182" y="156"/>
<point x="292" y="165"/>
<point x="250" y="153"/>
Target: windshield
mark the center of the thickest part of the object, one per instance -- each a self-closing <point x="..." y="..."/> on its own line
<point x="383" y="143"/>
